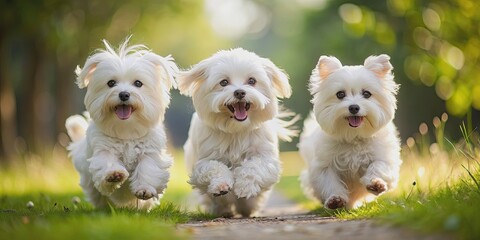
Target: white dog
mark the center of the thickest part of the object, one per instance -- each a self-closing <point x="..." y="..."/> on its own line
<point x="354" y="149"/>
<point x="121" y="156"/>
<point x="232" y="148"/>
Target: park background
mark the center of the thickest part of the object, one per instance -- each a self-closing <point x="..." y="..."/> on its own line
<point x="434" y="46"/>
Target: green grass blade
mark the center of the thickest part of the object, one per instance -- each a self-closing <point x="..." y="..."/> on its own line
<point x="472" y="177"/>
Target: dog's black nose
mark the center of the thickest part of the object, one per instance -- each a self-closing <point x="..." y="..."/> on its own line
<point x="354" y="108"/>
<point x="239" y="93"/>
<point x="124" y="96"/>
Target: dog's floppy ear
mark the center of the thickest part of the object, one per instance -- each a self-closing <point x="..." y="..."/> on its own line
<point x="279" y="79"/>
<point x="188" y="81"/>
<point x="85" y="74"/>
<point x="166" y="67"/>
<point x="326" y="65"/>
<point x="380" y="65"/>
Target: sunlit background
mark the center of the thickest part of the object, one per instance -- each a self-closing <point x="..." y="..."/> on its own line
<point x="434" y="45"/>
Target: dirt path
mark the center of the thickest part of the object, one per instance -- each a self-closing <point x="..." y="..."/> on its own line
<point x="283" y="219"/>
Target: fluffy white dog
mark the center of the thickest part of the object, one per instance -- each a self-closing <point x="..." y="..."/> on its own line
<point x="232" y="148"/>
<point x="121" y="153"/>
<point x="352" y="150"/>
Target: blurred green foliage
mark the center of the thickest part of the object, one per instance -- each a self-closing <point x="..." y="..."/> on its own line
<point x="434" y="45"/>
<point x="43" y="41"/>
<point x="352" y="30"/>
<point x="444" y="40"/>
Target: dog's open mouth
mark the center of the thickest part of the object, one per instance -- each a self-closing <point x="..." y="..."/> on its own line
<point x="124" y="111"/>
<point x="355" y="121"/>
<point x="239" y="110"/>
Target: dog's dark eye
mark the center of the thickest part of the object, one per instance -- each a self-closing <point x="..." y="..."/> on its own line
<point x="341" y="94"/>
<point x="111" y="83"/>
<point x="366" y="94"/>
<point x="224" y="82"/>
<point x="251" y="81"/>
<point x="137" y="83"/>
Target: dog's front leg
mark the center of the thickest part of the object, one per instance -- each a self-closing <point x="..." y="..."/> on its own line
<point x="380" y="176"/>
<point x="329" y="188"/>
<point x="108" y="173"/>
<point x="256" y="174"/>
<point x="211" y="177"/>
<point x="151" y="175"/>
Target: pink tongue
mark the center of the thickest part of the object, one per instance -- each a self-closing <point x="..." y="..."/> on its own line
<point x="123" y="111"/>
<point x="240" y="111"/>
<point x="355" y="121"/>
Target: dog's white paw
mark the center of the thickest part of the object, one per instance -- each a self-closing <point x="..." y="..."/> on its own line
<point x="219" y="189"/>
<point x="107" y="175"/>
<point x="145" y="192"/>
<point x="244" y="188"/>
<point x="377" y="186"/>
<point x="116" y="177"/>
<point x="334" y="202"/>
<point x="112" y="181"/>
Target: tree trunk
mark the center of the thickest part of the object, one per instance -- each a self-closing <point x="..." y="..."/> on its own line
<point x="32" y="87"/>
<point x="7" y="108"/>
<point x="63" y="93"/>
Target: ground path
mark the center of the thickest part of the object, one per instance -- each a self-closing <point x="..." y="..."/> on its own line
<point x="283" y="219"/>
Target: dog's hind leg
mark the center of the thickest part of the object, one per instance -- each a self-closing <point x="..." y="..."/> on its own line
<point x="221" y="206"/>
<point x="92" y="194"/>
<point x="249" y="207"/>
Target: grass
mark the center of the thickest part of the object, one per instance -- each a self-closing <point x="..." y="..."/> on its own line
<point x="438" y="192"/>
<point x="60" y="212"/>
<point x="56" y="217"/>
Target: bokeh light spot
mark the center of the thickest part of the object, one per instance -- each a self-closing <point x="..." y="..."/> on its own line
<point x="427" y="73"/>
<point x="350" y="13"/>
<point x="444" y="88"/>
<point x="234" y="18"/>
<point x="431" y="19"/>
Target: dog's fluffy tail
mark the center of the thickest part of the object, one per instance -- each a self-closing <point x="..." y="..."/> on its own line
<point x="285" y="121"/>
<point x="76" y="126"/>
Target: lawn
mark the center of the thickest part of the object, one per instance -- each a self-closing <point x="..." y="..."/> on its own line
<point x="436" y="200"/>
<point x="41" y="199"/>
<point x="439" y="191"/>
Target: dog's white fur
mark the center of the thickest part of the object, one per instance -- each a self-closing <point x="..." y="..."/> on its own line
<point x="123" y="162"/>
<point x="347" y="164"/>
<point x="233" y="163"/>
